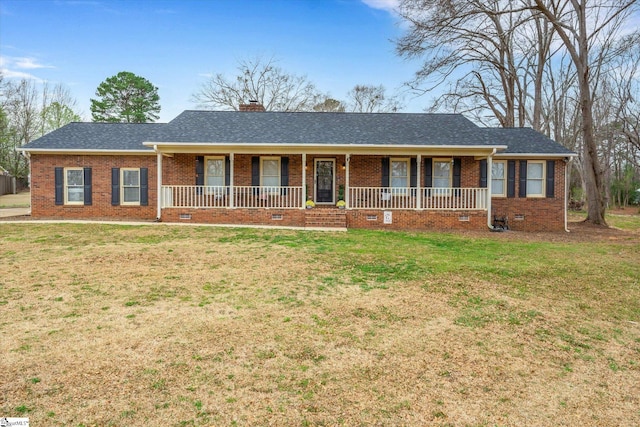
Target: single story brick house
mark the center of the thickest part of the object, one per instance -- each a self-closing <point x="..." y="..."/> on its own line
<point x="392" y="171"/>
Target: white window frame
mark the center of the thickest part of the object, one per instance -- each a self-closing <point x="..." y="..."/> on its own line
<point x="262" y="176"/>
<point x="437" y="190"/>
<point x="503" y="179"/>
<point x="122" y="186"/>
<point x="542" y="179"/>
<point x="217" y="190"/>
<point x="67" y="186"/>
<point x="395" y="190"/>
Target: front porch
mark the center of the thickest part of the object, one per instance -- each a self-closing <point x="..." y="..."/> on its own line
<point x="291" y="197"/>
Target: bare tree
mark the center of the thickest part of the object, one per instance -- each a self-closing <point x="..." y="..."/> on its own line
<point x="259" y="80"/>
<point x="588" y="30"/>
<point x="27" y="111"/>
<point x="372" y="99"/>
<point x="476" y="48"/>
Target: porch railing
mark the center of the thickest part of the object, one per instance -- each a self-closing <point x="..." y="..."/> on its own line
<point x="407" y="198"/>
<point x="198" y="196"/>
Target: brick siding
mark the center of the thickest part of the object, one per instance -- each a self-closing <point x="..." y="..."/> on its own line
<point x="537" y="214"/>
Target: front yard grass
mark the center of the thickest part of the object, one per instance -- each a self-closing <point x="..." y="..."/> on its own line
<point x="169" y="325"/>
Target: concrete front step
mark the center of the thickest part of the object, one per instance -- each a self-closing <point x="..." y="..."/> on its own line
<point x="326" y="217"/>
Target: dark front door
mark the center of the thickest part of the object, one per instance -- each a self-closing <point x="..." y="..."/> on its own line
<point x="324" y="181"/>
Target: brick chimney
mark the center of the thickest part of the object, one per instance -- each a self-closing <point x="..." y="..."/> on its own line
<point x="252" y="106"/>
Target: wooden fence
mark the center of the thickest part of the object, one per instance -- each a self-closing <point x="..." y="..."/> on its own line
<point x="7" y="185"/>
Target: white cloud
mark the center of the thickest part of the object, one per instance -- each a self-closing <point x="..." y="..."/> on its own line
<point x="19" y="67"/>
<point x="388" y="5"/>
<point x="10" y="74"/>
<point x="29" y="63"/>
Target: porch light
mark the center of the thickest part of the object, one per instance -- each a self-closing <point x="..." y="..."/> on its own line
<point x="344" y="166"/>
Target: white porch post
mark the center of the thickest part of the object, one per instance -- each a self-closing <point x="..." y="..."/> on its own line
<point x="304" y="180"/>
<point x="489" y="168"/>
<point x="418" y="189"/>
<point x="347" y="159"/>
<point x="231" y="192"/>
<point x="159" y="182"/>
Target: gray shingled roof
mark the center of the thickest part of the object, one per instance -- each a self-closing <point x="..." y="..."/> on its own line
<point x="322" y="128"/>
<point x="100" y="136"/>
<point x="525" y="141"/>
<point x="297" y="128"/>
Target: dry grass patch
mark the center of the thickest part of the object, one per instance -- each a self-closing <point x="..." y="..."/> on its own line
<point x="153" y="325"/>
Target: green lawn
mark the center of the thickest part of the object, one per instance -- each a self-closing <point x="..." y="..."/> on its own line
<point x="173" y="325"/>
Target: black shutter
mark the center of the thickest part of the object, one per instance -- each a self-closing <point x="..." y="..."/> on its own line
<point x="115" y="186"/>
<point x="522" y="191"/>
<point x="413" y="173"/>
<point x="59" y="185"/>
<point x="551" y="172"/>
<point x="457" y="172"/>
<point x="483" y="173"/>
<point x="511" y="178"/>
<point x="199" y="170"/>
<point x="385" y="172"/>
<point x="284" y="174"/>
<point x="87" y="187"/>
<point x="144" y="187"/>
<point x="255" y="173"/>
<point x="227" y="171"/>
<point x="428" y="172"/>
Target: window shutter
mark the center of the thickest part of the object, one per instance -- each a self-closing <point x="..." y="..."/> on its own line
<point x="227" y="171"/>
<point x="428" y="172"/>
<point x="284" y="174"/>
<point x="115" y="186"/>
<point x="59" y="185"/>
<point x="385" y="172"/>
<point x="413" y="173"/>
<point x="483" y="173"/>
<point x="199" y="170"/>
<point x="511" y="178"/>
<point x="87" y="187"/>
<point x="457" y="172"/>
<point x="144" y="187"/>
<point x="551" y="172"/>
<point x="255" y="173"/>
<point x="522" y="191"/>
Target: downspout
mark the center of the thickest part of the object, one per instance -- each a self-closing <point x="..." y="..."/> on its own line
<point x="489" y="167"/>
<point x="159" y="184"/>
<point x="304" y="180"/>
<point x="567" y="170"/>
<point x="347" y="178"/>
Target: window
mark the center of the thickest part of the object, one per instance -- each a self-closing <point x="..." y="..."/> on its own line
<point x="270" y="171"/>
<point x="399" y="173"/>
<point x="214" y="171"/>
<point x="442" y="173"/>
<point x="535" y="179"/>
<point x="130" y="188"/>
<point x="74" y="186"/>
<point x="499" y="178"/>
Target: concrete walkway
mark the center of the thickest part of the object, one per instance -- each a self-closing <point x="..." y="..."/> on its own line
<point x="9" y="212"/>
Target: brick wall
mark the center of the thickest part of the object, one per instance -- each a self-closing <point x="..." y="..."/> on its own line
<point x="43" y="187"/>
<point x="534" y="214"/>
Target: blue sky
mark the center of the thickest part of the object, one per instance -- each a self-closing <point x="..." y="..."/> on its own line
<point x="176" y="44"/>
